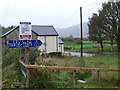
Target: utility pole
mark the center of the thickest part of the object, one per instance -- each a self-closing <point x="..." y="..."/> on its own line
<point x="81" y="42"/>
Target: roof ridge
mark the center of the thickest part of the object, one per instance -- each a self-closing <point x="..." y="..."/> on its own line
<point x="43" y="25"/>
<point x="47" y="28"/>
<point x="55" y="30"/>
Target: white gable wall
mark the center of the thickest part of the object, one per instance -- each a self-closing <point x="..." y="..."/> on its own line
<point x="49" y="43"/>
<point x="61" y="48"/>
<point x="42" y="39"/>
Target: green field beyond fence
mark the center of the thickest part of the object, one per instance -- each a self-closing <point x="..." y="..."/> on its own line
<point x="87" y="44"/>
<point x="89" y="47"/>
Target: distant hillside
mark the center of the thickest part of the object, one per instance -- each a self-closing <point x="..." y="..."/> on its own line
<point x="73" y="30"/>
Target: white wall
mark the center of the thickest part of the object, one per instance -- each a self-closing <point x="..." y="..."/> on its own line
<point x="61" y="48"/>
<point x="42" y="39"/>
<point x="49" y="43"/>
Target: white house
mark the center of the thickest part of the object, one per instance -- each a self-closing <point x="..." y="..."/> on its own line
<point x="49" y="37"/>
<point x="46" y="33"/>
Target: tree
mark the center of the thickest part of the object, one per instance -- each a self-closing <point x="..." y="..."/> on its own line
<point x="108" y="22"/>
<point x="111" y="14"/>
<point x="95" y="30"/>
<point x="5" y="29"/>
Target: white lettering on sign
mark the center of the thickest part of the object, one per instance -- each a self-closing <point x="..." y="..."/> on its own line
<point x="24" y="43"/>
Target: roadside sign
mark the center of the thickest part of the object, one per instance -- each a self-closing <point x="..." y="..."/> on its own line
<point x="25" y="31"/>
<point x="24" y="43"/>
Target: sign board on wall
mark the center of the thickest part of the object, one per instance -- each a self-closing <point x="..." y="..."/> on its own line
<point x="25" y="31"/>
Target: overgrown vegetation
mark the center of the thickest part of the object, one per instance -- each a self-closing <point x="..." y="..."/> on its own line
<point x="12" y="77"/>
<point x="64" y="78"/>
<point x="9" y="56"/>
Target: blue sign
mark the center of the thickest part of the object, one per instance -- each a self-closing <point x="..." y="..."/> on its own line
<point x="24" y="43"/>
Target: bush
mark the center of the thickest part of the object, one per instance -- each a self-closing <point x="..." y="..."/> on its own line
<point x="82" y="75"/>
<point x="10" y="55"/>
<point x="33" y="54"/>
<point x="43" y="80"/>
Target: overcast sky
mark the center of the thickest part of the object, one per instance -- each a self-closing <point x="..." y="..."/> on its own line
<point x="60" y="13"/>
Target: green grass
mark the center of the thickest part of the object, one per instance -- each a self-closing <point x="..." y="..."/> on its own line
<point x="10" y="76"/>
<point x="94" y="50"/>
<point x="107" y="79"/>
<point x="86" y="44"/>
<point x="90" y="47"/>
<point x="64" y="78"/>
<point x="102" y="61"/>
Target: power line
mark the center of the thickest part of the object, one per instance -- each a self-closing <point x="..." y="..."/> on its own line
<point x="6" y="11"/>
<point x="13" y="11"/>
<point x="90" y="4"/>
<point x="68" y="19"/>
<point x="9" y="11"/>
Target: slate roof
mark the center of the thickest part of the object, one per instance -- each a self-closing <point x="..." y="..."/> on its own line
<point x="44" y="30"/>
<point x="60" y="41"/>
<point x="40" y="30"/>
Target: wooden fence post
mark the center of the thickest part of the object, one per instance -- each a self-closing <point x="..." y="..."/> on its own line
<point x="27" y="78"/>
<point x="98" y="75"/>
<point x="27" y="70"/>
<point x="74" y="78"/>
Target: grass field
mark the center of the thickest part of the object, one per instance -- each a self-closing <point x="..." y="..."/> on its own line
<point x="89" y="47"/>
<point x="108" y="79"/>
<point x="86" y="44"/>
<point x="63" y="78"/>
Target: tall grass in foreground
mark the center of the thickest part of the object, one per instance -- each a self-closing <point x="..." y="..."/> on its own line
<point x="64" y="78"/>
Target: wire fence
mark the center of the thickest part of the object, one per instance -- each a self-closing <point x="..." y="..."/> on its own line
<point x="37" y="69"/>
